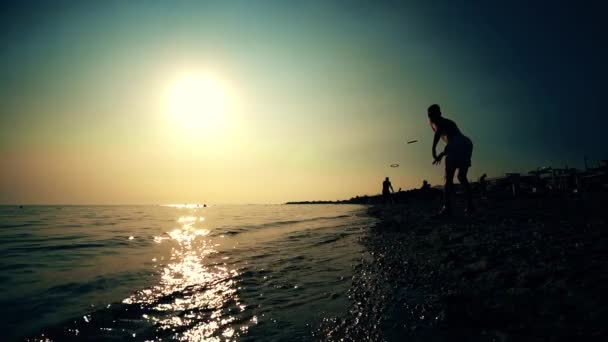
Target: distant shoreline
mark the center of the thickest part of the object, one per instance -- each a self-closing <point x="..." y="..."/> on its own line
<point x="398" y="196"/>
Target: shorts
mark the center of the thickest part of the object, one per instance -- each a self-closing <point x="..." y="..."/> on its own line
<point x="458" y="152"/>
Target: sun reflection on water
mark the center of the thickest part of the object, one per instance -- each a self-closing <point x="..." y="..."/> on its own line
<point x="196" y="298"/>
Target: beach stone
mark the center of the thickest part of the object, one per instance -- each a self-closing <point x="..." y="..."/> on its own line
<point x="500" y="336"/>
<point x="456" y="237"/>
<point x="518" y="291"/>
<point x="534" y="277"/>
<point x="478" y="266"/>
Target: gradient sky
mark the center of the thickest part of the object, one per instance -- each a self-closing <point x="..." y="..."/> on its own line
<point x="324" y="95"/>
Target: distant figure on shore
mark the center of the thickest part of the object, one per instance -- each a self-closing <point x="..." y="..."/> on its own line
<point x="483" y="185"/>
<point x="425" y="185"/>
<point x="387" y="188"/>
<point x="457" y="152"/>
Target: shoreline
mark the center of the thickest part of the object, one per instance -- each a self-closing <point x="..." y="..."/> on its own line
<point x="519" y="269"/>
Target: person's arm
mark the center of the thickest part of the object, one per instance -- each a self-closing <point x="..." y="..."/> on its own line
<point x="438" y="132"/>
<point x="392" y="190"/>
<point x="437" y="157"/>
<point x="435" y="141"/>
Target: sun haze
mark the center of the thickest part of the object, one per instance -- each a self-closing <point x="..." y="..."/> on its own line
<point x="196" y="103"/>
<point x="267" y="102"/>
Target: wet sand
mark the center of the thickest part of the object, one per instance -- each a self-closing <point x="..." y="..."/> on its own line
<point x="518" y="270"/>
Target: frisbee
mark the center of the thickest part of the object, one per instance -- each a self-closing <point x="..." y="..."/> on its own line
<point x="412" y="141"/>
<point x="394" y="165"/>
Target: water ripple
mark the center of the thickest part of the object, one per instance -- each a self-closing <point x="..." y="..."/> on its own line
<point x="176" y="273"/>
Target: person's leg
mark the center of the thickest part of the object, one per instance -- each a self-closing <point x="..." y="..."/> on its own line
<point x="462" y="178"/>
<point x="448" y="188"/>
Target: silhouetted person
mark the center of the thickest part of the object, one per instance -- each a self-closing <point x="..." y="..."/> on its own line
<point x="425" y="185"/>
<point x="457" y="152"/>
<point x="483" y="185"/>
<point x="387" y="188"/>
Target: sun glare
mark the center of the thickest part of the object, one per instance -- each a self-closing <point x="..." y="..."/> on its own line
<point x="197" y="103"/>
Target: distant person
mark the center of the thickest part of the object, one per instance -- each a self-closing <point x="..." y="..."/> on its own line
<point x="457" y="152"/>
<point x="483" y="185"/>
<point x="425" y="185"/>
<point x="387" y="188"/>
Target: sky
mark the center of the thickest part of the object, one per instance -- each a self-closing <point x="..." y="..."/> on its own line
<point x="286" y="100"/>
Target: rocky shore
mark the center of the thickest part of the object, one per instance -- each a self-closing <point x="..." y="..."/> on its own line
<point x="518" y="270"/>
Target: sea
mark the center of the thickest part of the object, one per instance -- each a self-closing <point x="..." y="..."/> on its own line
<point x="184" y="272"/>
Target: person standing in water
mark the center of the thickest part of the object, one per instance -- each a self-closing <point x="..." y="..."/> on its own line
<point x="457" y="153"/>
<point x="387" y="188"/>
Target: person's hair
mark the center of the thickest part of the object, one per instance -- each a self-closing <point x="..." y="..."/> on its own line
<point x="434" y="110"/>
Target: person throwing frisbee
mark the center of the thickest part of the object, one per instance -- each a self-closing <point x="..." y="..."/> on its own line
<point x="457" y="153"/>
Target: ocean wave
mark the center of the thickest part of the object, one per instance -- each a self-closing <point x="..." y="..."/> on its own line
<point x="246" y="228"/>
<point x="40" y="247"/>
<point x="172" y="274"/>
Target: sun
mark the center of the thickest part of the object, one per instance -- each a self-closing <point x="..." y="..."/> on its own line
<point x="197" y="103"/>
